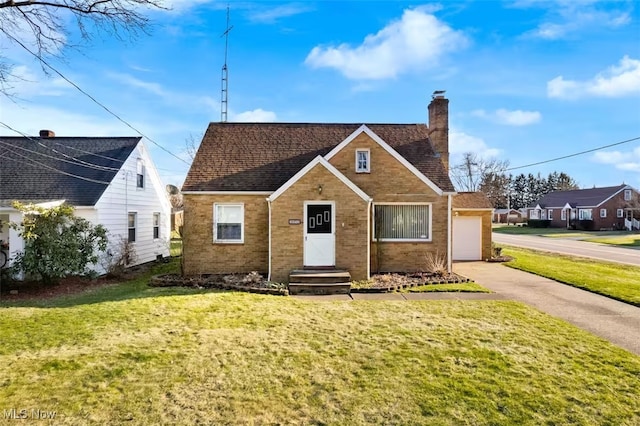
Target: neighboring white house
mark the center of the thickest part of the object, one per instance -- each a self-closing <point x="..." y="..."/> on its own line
<point x="109" y="180"/>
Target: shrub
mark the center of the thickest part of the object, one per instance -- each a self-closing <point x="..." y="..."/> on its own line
<point x="118" y="257"/>
<point x="538" y="223"/>
<point x="56" y="242"/>
<point x="436" y="263"/>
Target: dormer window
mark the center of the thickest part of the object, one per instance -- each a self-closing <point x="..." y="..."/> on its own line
<point x="363" y="161"/>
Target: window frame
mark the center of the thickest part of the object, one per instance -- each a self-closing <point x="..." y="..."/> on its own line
<point x="156" y="227"/>
<point x="563" y="214"/>
<point x="582" y="214"/>
<point x="367" y="151"/>
<point x="627" y="195"/>
<point x="404" y="240"/>
<point x="620" y="213"/>
<point x="550" y="214"/>
<point x="134" y="227"/>
<point x="140" y="173"/>
<point x="215" y="223"/>
<point x="603" y="213"/>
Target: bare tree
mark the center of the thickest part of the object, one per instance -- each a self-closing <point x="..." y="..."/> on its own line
<point x="191" y="146"/>
<point x="470" y="172"/>
<point x="41" y="26"/>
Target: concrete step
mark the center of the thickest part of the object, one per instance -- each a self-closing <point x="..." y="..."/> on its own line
<point x="319" y="288"/>
<point x="319" y="276"/>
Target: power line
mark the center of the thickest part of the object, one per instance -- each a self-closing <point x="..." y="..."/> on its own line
<point x="30" y="161"/>
<point x="76" y="161"/>
<point x="93" y="99"/>
<point x="573" y="155"/>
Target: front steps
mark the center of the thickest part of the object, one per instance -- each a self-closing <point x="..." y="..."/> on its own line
<point x="319" y="281"/>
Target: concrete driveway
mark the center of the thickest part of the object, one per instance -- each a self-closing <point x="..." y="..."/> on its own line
<point x="614" y="321"/>
<point x="572" y="247"/>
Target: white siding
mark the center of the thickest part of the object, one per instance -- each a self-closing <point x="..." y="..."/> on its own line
<point x="122" y="196"/>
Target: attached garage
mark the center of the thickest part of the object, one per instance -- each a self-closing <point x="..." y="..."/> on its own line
<point x="471" y="226"/>
<point x="467" y="238"/>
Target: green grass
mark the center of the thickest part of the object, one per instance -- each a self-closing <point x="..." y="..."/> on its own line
<point x="524" y="230"/>
<point x="628" y="240"/>
<point x="458" y="287"/>
<point x="175" y="247"/>
<point x="138" y="355"/>
<point x="618" y="281"/>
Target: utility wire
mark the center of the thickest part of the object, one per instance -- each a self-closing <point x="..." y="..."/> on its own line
<point x="93" y="99"/>
<point x="31" y="161"/>
<point x="573" y="155"/>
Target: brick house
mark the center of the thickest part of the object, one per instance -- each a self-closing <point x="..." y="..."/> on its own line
<point x="613" y="207"/>
<point x="275" y="197"/>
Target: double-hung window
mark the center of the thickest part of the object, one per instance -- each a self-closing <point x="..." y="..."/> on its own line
<point x="228" y="223"/>
<point x="627" y="194"/>
<point x="563" y="214"/>
<point x="402" y="222"/>
<point x="550" y="214"/>
<point x="156" y="226"/>
<point x="620" y="213"/>
<point x="132" y="222"/>
<point x="603" y="213"/>
<point x="363" y="161"/>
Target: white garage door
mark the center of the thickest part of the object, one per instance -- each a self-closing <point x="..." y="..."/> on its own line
<point x="467" y="238"/>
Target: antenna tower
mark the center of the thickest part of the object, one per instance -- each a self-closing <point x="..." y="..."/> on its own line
<point x="224" y="95"/>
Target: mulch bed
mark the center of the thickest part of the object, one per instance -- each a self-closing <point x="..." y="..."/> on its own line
<point x="383" y="283"/>
<point x="251" y="283"/>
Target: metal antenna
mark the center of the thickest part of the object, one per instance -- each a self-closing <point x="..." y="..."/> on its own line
<point x="225" y="74"/>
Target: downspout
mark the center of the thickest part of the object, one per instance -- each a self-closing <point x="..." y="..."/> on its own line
<point x="269" y="272"/>
<point x="449" y="232"/>
<point x="369" y="237"/>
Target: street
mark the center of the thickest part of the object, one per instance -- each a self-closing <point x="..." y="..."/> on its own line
<point x="572" y="247"/>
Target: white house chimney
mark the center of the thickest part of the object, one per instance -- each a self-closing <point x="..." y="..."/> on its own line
<point x="439" y="125"/>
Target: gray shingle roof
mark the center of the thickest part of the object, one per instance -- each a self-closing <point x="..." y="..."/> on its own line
<point x="578" y="197"/>
<point x="263" y="156"/>
<point x="31" y="172"/>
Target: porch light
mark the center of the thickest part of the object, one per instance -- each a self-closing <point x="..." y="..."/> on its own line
<point x="320" y="189"/>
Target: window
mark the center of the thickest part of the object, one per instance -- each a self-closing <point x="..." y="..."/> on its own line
<point x="563" y="214"/>
<point x="603" y="212"/>
<point x="584" y="214"/>
<point x="550" y="215"/>
<point x="620" y="213"/>
<point x="132" y="221"/>
<point x="543" y="214"/>
<point x="402" y="222"/>
<point x="627" y="194"/>
<point x="362" y="161"/>
<point x="534" y="214"/>
<point x="140" y="174"/>
<point x="228" y="220"/>
<point x="156" y="226"/>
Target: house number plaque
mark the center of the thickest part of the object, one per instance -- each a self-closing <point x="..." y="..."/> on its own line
<point x="295" y="222"/>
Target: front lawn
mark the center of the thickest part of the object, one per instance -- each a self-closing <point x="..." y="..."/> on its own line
<point x="618" y="281"/>
<point x="626" y="240"/>
<point x="137" y="355"/>
<point x="525" y="230"/>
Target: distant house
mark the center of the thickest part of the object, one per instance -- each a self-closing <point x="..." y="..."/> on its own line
<point x="280" y="197"/>
<point x="613" y="207"/>
<point x="507" y="216"/>
<point x="109" y="180"/>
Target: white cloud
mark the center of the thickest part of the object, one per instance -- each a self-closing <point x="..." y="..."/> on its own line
<point x="510" y="118"/>
<point x="617" y="81"/>
<point x="626" y="161"/>
<point x="417" y="41"/>
<point x="568" y="17"/>
<point x="460" y="142"/>
<point x="272" y="15"/>
<point x="255" y="116"/>
<point x="25" y="83"/>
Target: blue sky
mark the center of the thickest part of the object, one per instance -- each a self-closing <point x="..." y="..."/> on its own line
<point x="527" y="80"/>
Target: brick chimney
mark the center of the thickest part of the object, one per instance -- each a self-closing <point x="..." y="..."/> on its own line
<point x="439" y="125"/>
<point x="45" y="134"/>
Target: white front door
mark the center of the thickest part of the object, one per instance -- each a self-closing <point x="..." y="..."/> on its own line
<point x="319" y="233"/>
